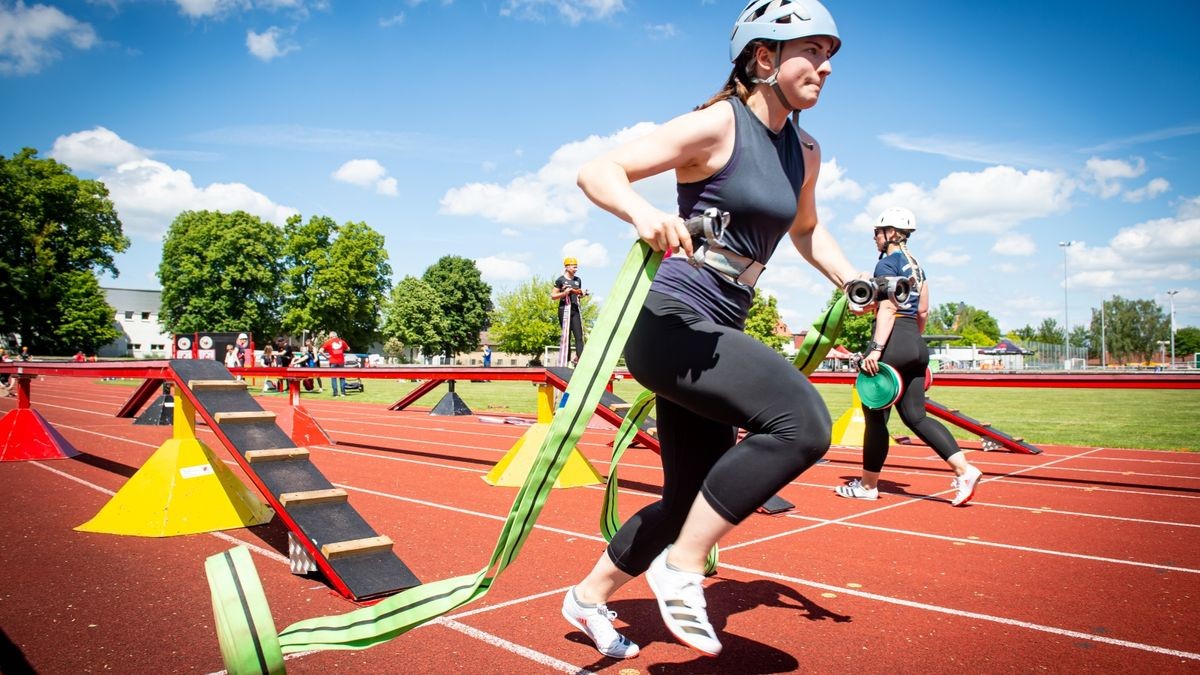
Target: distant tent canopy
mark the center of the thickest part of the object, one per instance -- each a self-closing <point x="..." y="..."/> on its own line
<point x="1005" y="347"/>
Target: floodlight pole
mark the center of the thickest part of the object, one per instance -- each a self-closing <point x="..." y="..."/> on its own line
<point x="1066" y="303"/>
<point x="1103" y="346"/>
<point x="1171" y="295"/>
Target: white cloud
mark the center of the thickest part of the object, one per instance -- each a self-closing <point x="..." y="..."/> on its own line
<point x="95" y="150"/>
<point x="394" y="20"/>
<point x="1103" y="176"/>
<point x="366" y="173"/>
<point x="948" y="257"/>
<point x="662" y="31"/>
<point x="1154" y="188"/>
<point x="501" y="269"/>
<point x="1013" y="243"/>
<point x="833" y="184"/>
<point x="589" y="254"/>
<point x="571" y="11"/>
<point x="549" y="196"/>
<point x="149" y="194"/>
<point x="993" y="200"/>
<point x="204" y="9"/>
<point x="266" y="46"/>
<point x="1164" y="249"/>
<point x="29" y="37"/>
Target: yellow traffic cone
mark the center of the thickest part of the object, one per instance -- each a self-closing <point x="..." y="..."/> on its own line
<point x="851" y="426"/>
<point x="511" y="470"/>
<point x="181" y="489"/>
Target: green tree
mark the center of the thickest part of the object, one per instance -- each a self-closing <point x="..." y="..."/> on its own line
<point x="220" y="272"/>
<point x="974" y="326"/>
<point x="1049" y="332"/>
<point x="857" y="329"/>
<point x="1022" y="335"/>
<point x="525" y="320"/>
<point x="762" y="320"/>
<point x="352" y="286"/>
<point x="1187" y="342"/>
<point x="466" y="302"/>
<point x="305" y="254"/>
<point x="1131" y="328"/>
<point x="85" y="317"/>
<point x="413" y="318"/>
<point x="52" y="226"/>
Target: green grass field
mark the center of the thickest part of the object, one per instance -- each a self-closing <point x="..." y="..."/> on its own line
<point x="1116" y="418"/>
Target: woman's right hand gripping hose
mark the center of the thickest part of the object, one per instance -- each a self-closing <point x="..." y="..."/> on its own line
<point x="663" y="231"/>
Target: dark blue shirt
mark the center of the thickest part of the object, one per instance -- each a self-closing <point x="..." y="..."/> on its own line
<point x="897" y="265"/>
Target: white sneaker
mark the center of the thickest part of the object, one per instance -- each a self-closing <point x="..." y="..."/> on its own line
<point x="855" y="490"/>
<point x="965" y="484"/>
<point x="596" y="622"/>
<point x="681" y="602"/>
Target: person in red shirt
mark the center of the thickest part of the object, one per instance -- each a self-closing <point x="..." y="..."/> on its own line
<point x="336" y="348"/>
<point x="79" y="357"/>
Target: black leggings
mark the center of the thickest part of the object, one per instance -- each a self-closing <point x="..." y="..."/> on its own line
<point x="576" y="327"/>
<point x="712" y="380"/>
<point x="907" y="353"/>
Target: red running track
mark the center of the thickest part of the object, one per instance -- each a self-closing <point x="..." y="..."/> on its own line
<point x="1079" y="559"/>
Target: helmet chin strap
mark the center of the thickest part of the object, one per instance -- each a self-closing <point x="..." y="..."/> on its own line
<point x="772" y="81"/>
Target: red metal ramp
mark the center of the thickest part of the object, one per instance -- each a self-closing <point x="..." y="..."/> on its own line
<point x="356" y="560"/>
<point x="983" y="429"/>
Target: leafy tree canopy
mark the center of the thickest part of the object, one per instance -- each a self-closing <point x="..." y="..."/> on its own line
<point x="525" y="320"/>
<point x="54" y="225"/>
<point x="220" y="272"/>
<point x="974" y="326"/>
<point x="350" y="287"/>
<point x="1187" y="341"/>
<point x="466" y="302"/>
<point x="1131" y="328"/>
<point x="413" y="319"/>
<point x="762" y="320"/>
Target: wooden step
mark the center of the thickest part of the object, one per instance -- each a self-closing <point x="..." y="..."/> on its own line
<point x="985" y="424"/>
<point x="653" y="431"/>
<point x="275" y="454"/>
<point x="621" y="406"/>
<point x="330" y="496"/>
<point x="953" y="410"/>
<point x="249" y="416"/>
<point x="1018" y="439"/>
<point x="342" y="549"/>
<point x="216" y="384"/>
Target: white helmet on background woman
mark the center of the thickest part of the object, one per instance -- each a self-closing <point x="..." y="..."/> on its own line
<point x="899" y="218"/>
<point x="781" y="20"/>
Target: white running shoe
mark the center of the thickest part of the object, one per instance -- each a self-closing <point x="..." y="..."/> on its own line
<point x="596" y="622"/>
<point x="681" y="602"/>
<point x="855" y="490"/>
<point x="965" y="484"/>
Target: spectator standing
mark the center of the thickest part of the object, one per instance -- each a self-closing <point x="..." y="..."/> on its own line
<point x="336" y="348"/>
<point x="311" y="360"/>
<point x="487" y="356"/>
<point x="268" y="361"/>
<point x="24" y="353"/>
<point x="568" y="288"/>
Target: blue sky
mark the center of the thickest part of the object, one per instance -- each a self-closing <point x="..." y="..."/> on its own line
<point x="457" y="127"/>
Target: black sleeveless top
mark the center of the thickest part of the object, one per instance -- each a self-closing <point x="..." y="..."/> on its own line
<point x="759" y="186"/>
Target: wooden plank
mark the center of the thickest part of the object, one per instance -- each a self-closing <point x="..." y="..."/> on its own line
<point x="621" y="406"/>
<point x="330" y="496"/>
<point x="216" y="384"/>
<point x="653" y="431"/>
<point x="249" y="416"/>
<point x="342" y="549"/>
<point x="275" y="454"/>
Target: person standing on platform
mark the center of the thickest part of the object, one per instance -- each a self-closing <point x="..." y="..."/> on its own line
<point x="897" y="342"/>
<point x="739" y="153"/>
<point x="568" y="288"/>
<point x="336" y="348"/>
<point x="487" y="356"/>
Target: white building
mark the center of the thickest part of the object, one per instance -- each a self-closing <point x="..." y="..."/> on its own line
<point x="142" y="336"/>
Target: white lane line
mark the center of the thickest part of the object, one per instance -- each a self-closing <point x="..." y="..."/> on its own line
<point x="966" y="614"/>
<point x="1014" y="547"/>
<point x="535" y="656"/>
<point x="1081" y="514"/>
<point x="899" y="504"/>
<point x="1013" y="622"/>
<point x="273" y="555"/>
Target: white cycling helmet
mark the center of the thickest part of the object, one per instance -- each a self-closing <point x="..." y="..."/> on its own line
<point x="781" y="20"/>
<point x="898" y="217"/>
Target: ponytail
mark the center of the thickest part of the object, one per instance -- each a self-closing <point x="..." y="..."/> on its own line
<point x="918" y="276"/>
<point x="738" y="85"/>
